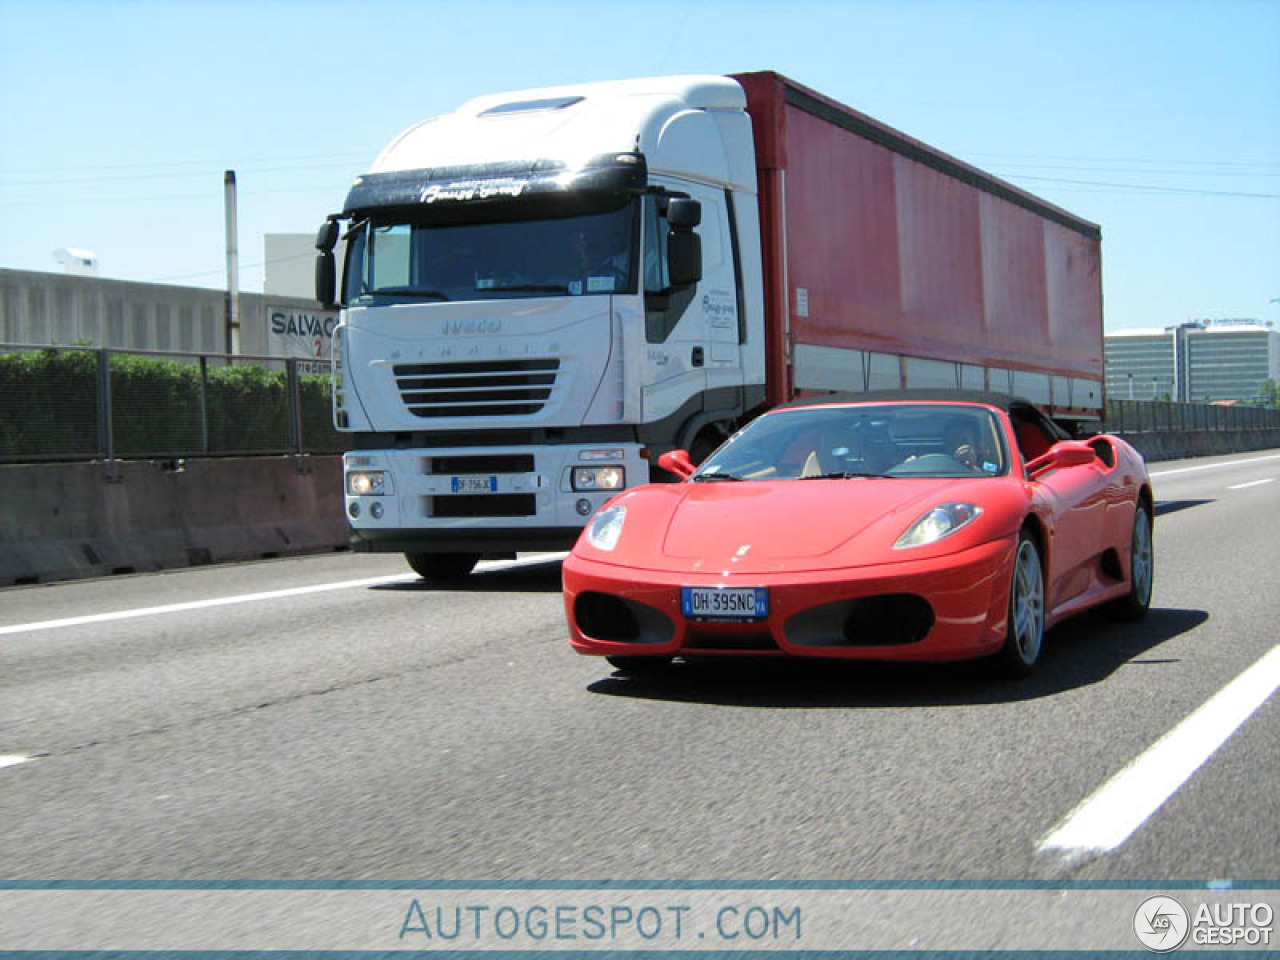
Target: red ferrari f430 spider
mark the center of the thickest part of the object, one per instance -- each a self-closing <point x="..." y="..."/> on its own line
<point x="897" y="526"/>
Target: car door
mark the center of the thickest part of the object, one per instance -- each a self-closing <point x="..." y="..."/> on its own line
<point x="1076" y="502"/>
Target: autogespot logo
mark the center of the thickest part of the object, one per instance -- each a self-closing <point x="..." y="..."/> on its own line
<point x="1162" y="924"/>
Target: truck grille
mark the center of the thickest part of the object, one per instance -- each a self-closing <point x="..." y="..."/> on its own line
<point x="481" y="388"/>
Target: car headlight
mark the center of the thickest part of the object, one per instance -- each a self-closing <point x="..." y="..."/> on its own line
<point x="942" y="521"/>
<point x="606" y="527"/>
<point x="587" y="479"/>
<point x="368" y="483"/>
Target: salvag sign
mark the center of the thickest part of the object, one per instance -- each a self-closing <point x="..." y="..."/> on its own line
<point x="300" y="333"/>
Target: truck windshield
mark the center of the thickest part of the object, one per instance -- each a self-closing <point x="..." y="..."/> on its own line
<point x="401" y="260"/>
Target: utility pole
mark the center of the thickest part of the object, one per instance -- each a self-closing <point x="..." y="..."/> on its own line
<point x="233" y="266"/>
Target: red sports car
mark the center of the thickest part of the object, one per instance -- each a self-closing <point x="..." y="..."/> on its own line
<point x="897" y="526"/>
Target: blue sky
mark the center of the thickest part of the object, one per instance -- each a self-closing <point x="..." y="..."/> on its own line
<point x="1158" y="120"/>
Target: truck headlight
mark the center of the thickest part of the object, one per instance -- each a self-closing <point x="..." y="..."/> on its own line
<point x="942" y="521"/>
<point x="586" y="479"/>
<point x="368" y="483"/>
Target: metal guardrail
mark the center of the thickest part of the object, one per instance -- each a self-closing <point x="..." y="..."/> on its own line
<point x="85" y="403"/>
<point x="1147" y="416"/>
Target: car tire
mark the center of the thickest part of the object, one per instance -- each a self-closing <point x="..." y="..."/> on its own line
<point x="1024" y="634"/>
<point x="1135" y="604"/>
<point x="442" y="566"/>
<point x="640" y="666"/>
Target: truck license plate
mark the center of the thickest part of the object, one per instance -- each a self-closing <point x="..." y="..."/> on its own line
<point x="725" y="603"/>
<point x="475" y="485"/>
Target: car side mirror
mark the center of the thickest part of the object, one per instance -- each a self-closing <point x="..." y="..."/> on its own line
<point x="1065" y="453"/>
<point x="677" y="462"/>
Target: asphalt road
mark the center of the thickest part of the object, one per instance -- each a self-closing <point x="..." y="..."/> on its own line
<point x="401" y="731"/>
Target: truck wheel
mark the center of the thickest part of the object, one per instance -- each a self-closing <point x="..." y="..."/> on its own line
<point x="442" y="566"/>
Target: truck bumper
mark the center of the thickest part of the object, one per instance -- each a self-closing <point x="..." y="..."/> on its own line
<point x="479" y="499"/>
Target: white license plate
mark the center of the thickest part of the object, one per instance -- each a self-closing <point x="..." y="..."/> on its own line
<point x="474" y="485"/>
<point x="725" y="603"/>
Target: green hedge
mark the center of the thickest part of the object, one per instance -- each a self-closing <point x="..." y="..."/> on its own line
<point x="160" y="408"/>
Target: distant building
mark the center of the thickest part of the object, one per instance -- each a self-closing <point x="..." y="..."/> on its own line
<point x="38" y="309"/>
<point x="291" y="265"/>
<point x="1196" y="362"/>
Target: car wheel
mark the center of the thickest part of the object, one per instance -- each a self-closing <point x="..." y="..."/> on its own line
<point x="1025" y="633"/>
<point x="640" y="666"/>
<point x="442" y="566"/>
<point x="1135" y="604"/>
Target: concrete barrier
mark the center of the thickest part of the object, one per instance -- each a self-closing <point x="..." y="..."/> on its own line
<point x="1187" y="444"/>
<point x="67" y="520"/>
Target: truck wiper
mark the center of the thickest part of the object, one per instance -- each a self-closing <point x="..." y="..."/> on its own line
<point x="404" y="293"/>
<point x="709" y="477"/>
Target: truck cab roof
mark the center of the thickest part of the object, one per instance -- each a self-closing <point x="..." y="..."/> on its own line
<point x="693" y="127"/>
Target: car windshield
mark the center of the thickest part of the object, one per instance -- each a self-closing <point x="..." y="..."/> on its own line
<point x="402" y="260"/>
<point x="863" y="440"/>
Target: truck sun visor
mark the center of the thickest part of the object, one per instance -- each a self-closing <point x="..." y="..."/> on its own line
<point x="614" y="173"/>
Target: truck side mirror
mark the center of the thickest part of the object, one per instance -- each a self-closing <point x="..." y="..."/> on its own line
<point x="326" y="279"/>
<point x="684" y="258"/>
<point x="326" y="264"/>
<point x="684" y="247"/>
<point x="683" y="214"/>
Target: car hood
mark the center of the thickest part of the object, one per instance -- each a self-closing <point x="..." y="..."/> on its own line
<point x="758" y="527"/>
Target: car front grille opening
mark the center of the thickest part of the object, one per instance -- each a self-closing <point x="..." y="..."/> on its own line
<point x="750" y="642"/>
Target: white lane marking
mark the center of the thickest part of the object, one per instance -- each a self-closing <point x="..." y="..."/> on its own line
<point x="1255" y="483"/>
<point x="12" y="759"/>
<point x="137" y="612"/>
<point x="1214" y="466"/>
<point x="1108" y="817"/>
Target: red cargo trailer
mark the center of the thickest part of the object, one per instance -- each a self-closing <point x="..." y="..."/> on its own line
<point x="888" y="264"/>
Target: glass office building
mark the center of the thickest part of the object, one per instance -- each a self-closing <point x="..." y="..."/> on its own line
<point x="1196" y="362"/>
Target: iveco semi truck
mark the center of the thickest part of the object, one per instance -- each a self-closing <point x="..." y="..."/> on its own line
<point x="543" y="291"/>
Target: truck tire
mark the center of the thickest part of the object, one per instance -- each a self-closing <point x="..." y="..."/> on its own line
<point x="442" y="566"/>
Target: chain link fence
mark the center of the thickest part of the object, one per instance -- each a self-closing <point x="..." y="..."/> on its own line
<point x="83" y="403"/>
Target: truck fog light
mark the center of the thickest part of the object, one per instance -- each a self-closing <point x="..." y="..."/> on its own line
<point x="583" y="507"/>
<point x="354" y="510"/>
<point x="598" y="478"/>
<point x="376" y="511"/>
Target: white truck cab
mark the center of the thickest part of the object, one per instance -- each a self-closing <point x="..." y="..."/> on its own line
<point x="541" y="292"/>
